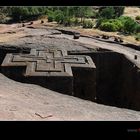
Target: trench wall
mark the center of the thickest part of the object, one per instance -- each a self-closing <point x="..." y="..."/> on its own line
<point x="130" y="85"/>
<point x="116" y="80"/>
<point x="108" y="75"/>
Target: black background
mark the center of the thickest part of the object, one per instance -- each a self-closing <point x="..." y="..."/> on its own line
<point x="69" y="2"/>
<point x="88" y="130"/>
<point x="69" y="129"/>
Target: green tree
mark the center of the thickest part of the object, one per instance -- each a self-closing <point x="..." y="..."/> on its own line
<point x="130" y="26"/>
<point x="83" y="11"/>
<point x="59" y="16"/>
<point x="19" y="13"/>
<point x="107" y="13"/>
<point x="119" y="10"/>
<point x="51" y="15"/>
<point x="32" y="11"/>
<point x="137" y="28"/>
<point x="24" y="12"/>
<point x="111" y="12"/>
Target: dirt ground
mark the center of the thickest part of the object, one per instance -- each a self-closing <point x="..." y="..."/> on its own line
<point x="132" y="11"/>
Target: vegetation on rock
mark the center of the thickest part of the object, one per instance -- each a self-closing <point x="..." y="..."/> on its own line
<point x="108" y="19"/>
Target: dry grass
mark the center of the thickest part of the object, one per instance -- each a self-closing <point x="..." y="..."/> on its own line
<point x="132" y="11"/>
<point x="10" y="32"/>
<point x="10" y="37"/>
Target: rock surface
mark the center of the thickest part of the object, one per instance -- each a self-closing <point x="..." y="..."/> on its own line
<point x="20" y="101"/>
<point x="44" y="38"/>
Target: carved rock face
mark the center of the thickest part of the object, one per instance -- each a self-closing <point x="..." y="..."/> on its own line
<point x="54" y="69"/>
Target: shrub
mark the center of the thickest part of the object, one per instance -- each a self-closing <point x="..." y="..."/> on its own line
<point x="3" y="18"/>
<point x="76" y="22"/>
<point x="67" y="21"/>
<point x="123" y="19"/>
<point x="59" y="18"/>
<point x="137" y="28"/>
<point x="107" y="26"/>
<point x="99" y="21"/>
<point x="123" y="23"/>
<point x="137" y="37"/>
<point x="87" y="24"/>
<point x="119" y="10"/>
<point x="118" y="24"/>
<point x="72" y="21"/>
<point x="32" y="11"/>
<point x="19" y="13"/>
<point x="111" y="25"/>
<point x="137" y="18"/>
<point x="130" y="26"/>
<point x="50" y="18"/>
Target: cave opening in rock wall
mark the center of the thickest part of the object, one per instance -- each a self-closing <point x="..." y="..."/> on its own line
<point x="115" y="80"/>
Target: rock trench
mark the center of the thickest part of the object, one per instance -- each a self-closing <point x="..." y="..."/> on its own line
<point x="113" y="81"/>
